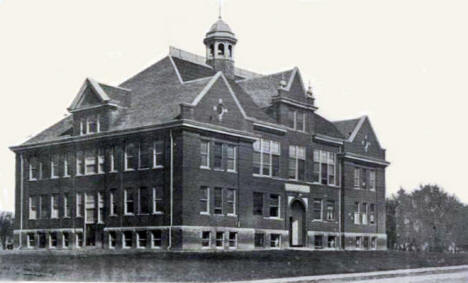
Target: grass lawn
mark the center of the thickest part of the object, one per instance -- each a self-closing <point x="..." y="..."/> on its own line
<point x="215" y="266"/>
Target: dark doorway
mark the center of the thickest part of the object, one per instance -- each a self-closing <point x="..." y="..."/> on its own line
<point x="297" y="224"/>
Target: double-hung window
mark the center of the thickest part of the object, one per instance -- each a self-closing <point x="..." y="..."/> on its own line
<point x="218" y="156"/>
<point x="275" y="205"/>
<point x="143" y="201"/>
<point x="100" y="207"/>
<point x="54" y="166"/>
<point x="204" y="154"/>
<point x="218" y="201"/>
<point x="372" y="213"/>
<point x="113" y="202"/>
<point x="90" y="207"/>
<point x="131" y="156"/>
<point x="296" y="120"/>
<point x="67" y="163"/>
<point x="33" y="206"/>
<point x="79" y="205"/>
<point x="33" y="168"/>
<point x="357" y="177"/>
<point x="372" y="180"/>
<point x="204" y="200"/>
<point x="54" y="206"/>
<point x="317" y="209"/>
<point x="158" y="200"/>
<point x="331" y="210"/>
<point x="128" y="202"/>
<point x="90" y="162"/>
<point x="92" y="124"/>
<point x="158" y="150"/>
<point x="325" y="169"/>
<point x="296" y="162"/>
<point x="364" y="214"/>
<point x="80" y="167"/>
<point x="101" y="160"/>
<point x="231" y="199"/>
<point x="145" y="155"/>
<point x="67" y="205"/>
<point x="45" y="209"/>
<point x="257" y="203"/>
<point x="266" y="158"/>
<point x="357" y="213"/>
<point x="231" y="153"/>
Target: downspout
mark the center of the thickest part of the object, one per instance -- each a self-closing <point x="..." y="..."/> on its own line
<point x="21" y="203"/>
<point x="171" y="187"/>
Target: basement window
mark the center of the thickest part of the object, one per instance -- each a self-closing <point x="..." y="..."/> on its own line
<point x="206" y="239"/>
<point x="318" y="241"/>
<point x="79" y="240"/>
<point x="232" y="240"/>
<point x="127" y="239"/>
<point x="141" y="239"/>
<point x="275" y="240"/>
<point x="259" y="240"/>
<point x="219" y="239"/>
<point x="31" y="240"/>
<point x="332" y="241"/>
<point x="53" y="240"/>
<point x="156" y="239"/>
<point x="65" y="240"/>
<point x="112" y="239"/>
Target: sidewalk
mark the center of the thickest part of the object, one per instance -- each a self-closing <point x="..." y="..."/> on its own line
<point x="364" y="276"/>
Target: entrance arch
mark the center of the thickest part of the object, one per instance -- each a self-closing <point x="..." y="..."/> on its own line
<point x="297" y="221"/>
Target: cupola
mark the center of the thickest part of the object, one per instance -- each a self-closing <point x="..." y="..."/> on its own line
<point x="220" y="42"/>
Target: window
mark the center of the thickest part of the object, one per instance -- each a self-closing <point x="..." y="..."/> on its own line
<point x="53" y="240"/>
<point x="232" y="240"/>
<point x="67" y="205"/>
<point x="33" y="204"/>
<point x="366" y="242"/>
<point x="43" y="170"/>
<point x="220" y="49"/>
<point x="79" y="239"/>
<point x="204" y="154"/>
<point x="296" y="162"/>
<point x="127" y="239"/>
<point x="158" y="147"/>
<point x="65" y="239"/>
<point x="131" y="156"/>
<point x="80" y="163"/>
<point x="363" y="178"/>
<point x="54" y="166"/>
<point x="374" y="243"/>
<point x="358" y="242"/>
<point x="211" y="49"/>
<point x="156" y="239"/>
<point x="113" y="158"/>
<point x="219" y="239"/>
<point x="33" y="168"/>
<point x="364" y="213"/>
<point x="230" y="50"/>
<point x="90" y="162"/>
<point x="90" y="207"/>
<point x="357" y="214"/>
<point x="54" y="206"/>
<point x="257" y="203"/>
<point x="101" y="161"/>
<point x="331" y="210"/>
<point x="372" y="213"/>
<point x="145" y="158"/>
<point x="79" y="205"/>
<point x="112" y="239"/>
<point x="100" y="207"/>
<point x="31" y="240"/>
<point x="324" y="170"/>
<point x="275" y="240"/>
<point x="204" y="200"/>
<point x="90" y="240"/>
<point x="275" y="203"/>
<point x="318" y="241"/>
<point x="372" y="180"/>
<point x="296" y="120"/>
<point x="45" y="209"/>
<point x="317" y="209"/>
<point x="206" y="239"/>
<point x="141" y="239"/>
<point x="259" y="240"/>
<point x="266" y="158"/>
<point x="231" y="153"/>
<point x="92" y="125"/>
<point x="218" y="156"/>
<point x="357" y="174"/>
<point x="332" y="241"/>
<point x="143" y="201"/>
<point x="67" y="163"/>
<point x="231" y="199"/>
<point x="218" y="201"/>
<point x="128" y="202"/>
<point x="158" y="200"/>
<point x="42" y="240"/>
<point x="112" y="203"/>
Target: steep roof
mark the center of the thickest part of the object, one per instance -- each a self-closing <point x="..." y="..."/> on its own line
<point x="157" y="92"/>
<point x="346" y="127"/>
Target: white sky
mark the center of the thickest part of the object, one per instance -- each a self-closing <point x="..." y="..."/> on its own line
<point x="402" y="62"/>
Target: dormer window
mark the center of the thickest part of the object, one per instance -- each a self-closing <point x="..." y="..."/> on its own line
<point x="221" y="49"/>
<point x="90" y="125"/>
<point x="296" y="120"/>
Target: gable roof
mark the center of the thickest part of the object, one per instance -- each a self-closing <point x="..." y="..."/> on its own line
<point x="347" y="127"/>
<point x="324" y="127"/>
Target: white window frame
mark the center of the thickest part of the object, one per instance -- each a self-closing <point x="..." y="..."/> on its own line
<point x="36" y="161"/>
<point x="202" y="239"/>
<point x="357" y="177"/>
<point x="125" y="204"/>
<point x="207" y="154"/>
<point x="89" y="161"/>
<point x="112" y="160"/>
<point x="88" y="122"/>
<point x="222" y="239"/>
<point x="54" y="213"/>
<point x="77" y="240"/>
<point x="153" y="239"/>
<point x="156" y="153"/>
<point x="372" y="179"/>
<point x="126" y="157"/>
<point x="53" y="174"/>
<point x="372" y="214"/>
<point x="63" y="240"/>
<point x="66" y="165"/>
<point x="234" y="148"/>
<point x="207" y="212"/>
<point x="110" y="237"/>
<point x="79" y="198"/>
<point x="333" y="210"/>
<point x="271" y="153"/>
<point x="80" y="163"/>
<point x="156" y="199"/>
<point x="357" y="214"/>
<point x="329" y="156"/>
<point x="111" y="203"/>
<point x="86" y="195"/>
<point x="100" y="207"/>
<point x="235" y="240"/>
<point x="28" y="240"/>
<point x="50" y="240"/>
<point x="365" y="219"/>
<point x="278" y="245"/>
<point x="124" y="244"/>
<point x="234" y="202"/>
<point x="222" y="200"/>
<point x="321" y="209"/>
<point x="100" y="166"/>
<point x="31" y="200"/>
<point x="138" y="246"/>
<point x="297" y="158"/>
<point x="278" y="204"/>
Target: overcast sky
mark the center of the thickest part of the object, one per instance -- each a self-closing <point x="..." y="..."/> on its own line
<point x="401" y="62"/>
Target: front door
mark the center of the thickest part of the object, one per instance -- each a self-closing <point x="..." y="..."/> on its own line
<point x="297" y="223"/>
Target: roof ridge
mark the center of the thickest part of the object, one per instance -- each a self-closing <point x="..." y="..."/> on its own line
<point x="267" y="75"/>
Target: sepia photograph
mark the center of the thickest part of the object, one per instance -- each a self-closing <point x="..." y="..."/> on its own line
<point x="233" y="141"/>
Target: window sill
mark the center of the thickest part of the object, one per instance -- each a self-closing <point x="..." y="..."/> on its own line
<point x="232" y="171"/>
<point x="66" y="176"/>
<point x="113" y="171"/>
<point x="218" y="169"/>
<point x="158" y="167"/>
<point x="204" y="213"/>
<point x="129" y="214"/>
<point x="205" y="167"/>
<point x="158" y="213"/>
<point x="274" y="218"/>
<point x="32" y="180"/>
<point x="113" y="215"/>
<point x="54" y="177"/>
<point x="231" y="215"/>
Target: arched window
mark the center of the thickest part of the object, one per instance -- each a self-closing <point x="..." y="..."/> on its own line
<point x="230" y="50"/>
<point x="211" y="49"/>
<point x="220" y="49"/>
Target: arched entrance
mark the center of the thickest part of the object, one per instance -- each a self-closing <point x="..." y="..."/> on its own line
<point x="297" y="224"/>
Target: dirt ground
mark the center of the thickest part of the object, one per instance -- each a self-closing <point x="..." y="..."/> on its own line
<point x="206" y="266"/>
